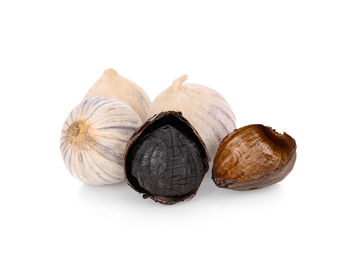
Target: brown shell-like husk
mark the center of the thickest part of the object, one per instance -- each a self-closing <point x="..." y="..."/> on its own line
<point x="252" y="157"/>
<point x="133" y="139"/>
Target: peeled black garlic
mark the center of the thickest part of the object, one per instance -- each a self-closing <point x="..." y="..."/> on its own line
<point x="166" y="159"/>
<point x="252" y="157"/>
<point x="113" y="85"/>
<point x="94" y="137"/>
<point x="204" y="108"/>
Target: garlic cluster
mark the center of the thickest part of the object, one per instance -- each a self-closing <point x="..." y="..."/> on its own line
<point x="113" y="85"/>
<point x="206" y="110"/>
<point x="94" y="137"/>
<point x="162" y="149"/>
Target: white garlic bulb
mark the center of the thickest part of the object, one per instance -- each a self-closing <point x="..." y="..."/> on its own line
<point x="204" y="108"/>
<point x="94" y="137"/>
<point x="113" y="85"/>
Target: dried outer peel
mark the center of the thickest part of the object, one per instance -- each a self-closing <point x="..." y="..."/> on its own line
<point x="253" y="157"/>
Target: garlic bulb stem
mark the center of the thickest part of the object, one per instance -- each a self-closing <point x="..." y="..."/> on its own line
<point x="179" y="82"/>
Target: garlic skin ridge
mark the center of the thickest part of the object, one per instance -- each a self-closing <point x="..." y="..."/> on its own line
<point x="113" y="85"/>
<point x="206" y="110"/>
<point x="94" y="137"/>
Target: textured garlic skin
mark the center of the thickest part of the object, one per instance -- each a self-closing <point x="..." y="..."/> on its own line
<point x="94" y="137"/>
<point x="253" y="156"/>
<point x="206" y="110"/>
<point x="113" y="85"/>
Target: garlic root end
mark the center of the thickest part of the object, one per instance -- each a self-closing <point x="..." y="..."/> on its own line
<point x="77" y="132"/>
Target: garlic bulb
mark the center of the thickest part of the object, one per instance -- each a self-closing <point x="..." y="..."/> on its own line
<point x="204" y="108"/>
<point x="165" y="159"/>
<point x="94" y="137"/>
<point x="113" y="85"/>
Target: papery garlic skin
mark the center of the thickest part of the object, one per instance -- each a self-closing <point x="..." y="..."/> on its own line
<point x="206" y="110"/>
<point x="94" y="137"/>
<point x="113" y="85"/>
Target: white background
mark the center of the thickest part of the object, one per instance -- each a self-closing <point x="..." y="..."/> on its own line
<point x="281" y="63"/>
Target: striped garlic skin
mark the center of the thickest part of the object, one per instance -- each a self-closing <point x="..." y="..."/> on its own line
<point x="206" y="110"/>
<point x="113" y="85"/>
<point x="94" y="137"/>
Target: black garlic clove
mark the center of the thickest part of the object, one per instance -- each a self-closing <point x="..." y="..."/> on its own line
<point x="165" y="159"/>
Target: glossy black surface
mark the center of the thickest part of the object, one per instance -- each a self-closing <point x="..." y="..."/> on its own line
<point x="166" y="162"/>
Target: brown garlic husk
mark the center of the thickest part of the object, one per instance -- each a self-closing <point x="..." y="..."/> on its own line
<point x="165" y="159"/>
<point x="254" y="156"/>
